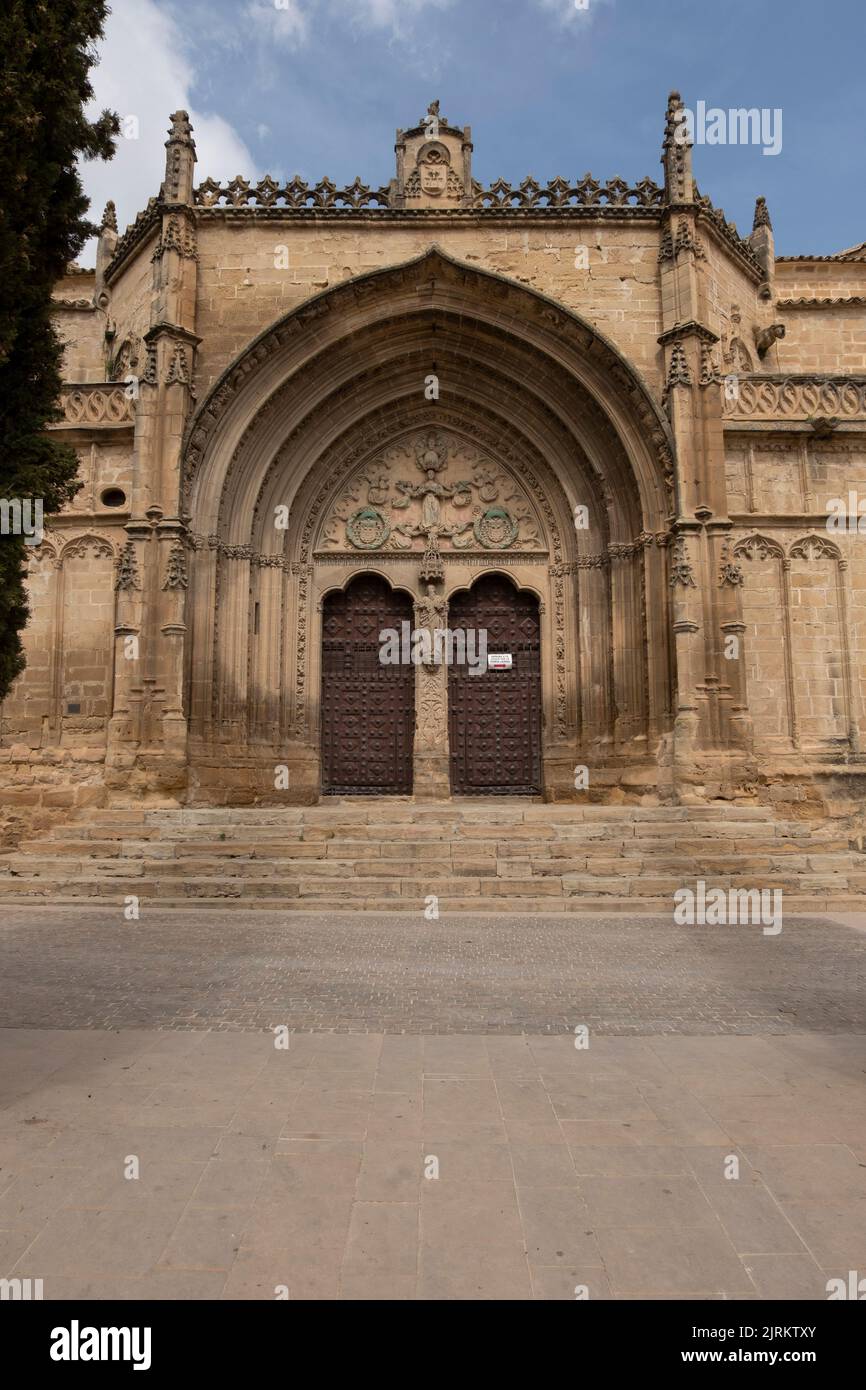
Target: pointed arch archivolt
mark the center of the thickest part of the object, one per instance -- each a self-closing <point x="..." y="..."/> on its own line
<point x="543" y="396"/>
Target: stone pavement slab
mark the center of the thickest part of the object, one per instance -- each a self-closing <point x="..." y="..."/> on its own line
<point x="470" y="1203"/>
<point x="181" y="1153"/>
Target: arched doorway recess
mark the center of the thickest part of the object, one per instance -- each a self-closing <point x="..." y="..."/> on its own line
<point x="322" y="455"/>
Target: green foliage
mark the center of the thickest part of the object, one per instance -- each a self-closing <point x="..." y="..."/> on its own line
<point x="46" y="54"/>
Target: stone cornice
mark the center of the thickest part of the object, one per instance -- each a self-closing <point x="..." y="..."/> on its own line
<point x="95" y="405"/>
<point x="851" y="302"/>
<point x="688" y="330"/>
<point x="810" y="397"/>
<point x="80" y="306"/>
<point x="170" y="330"/>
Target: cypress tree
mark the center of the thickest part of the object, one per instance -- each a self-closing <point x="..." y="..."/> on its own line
<point x="47" y="49"/>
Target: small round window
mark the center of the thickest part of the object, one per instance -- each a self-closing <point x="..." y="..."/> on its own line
<point x="114" y="497"/>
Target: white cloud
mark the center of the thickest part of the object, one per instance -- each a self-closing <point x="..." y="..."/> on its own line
<point x="281" y="22"/>
<point x="569" y="11"/>
<point x="289" y="23"/>
<point x="143" y="72"/>
<point x="392" y="14"/>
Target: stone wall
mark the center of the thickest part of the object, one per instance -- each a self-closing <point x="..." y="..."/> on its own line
<point x="708" y="512"/>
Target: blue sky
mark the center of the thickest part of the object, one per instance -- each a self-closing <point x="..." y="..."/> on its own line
<point x="317" y="87"/>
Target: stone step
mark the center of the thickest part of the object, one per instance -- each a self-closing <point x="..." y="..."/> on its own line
<point x="92" y="880"/>
<point x="385" y="813"/>
<point x="763" y="870"/>
<point x="36" y="892"/>
<point x="394" y="843"/>
<point x="375" y="854"/>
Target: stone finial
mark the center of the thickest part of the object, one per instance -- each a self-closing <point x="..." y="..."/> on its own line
<point x="763" y="244"/>
<point x="180" y="130"/>
<point x="762" y="215"/>
<point x="677" y="152"/>
<point x="673" y="117"/>
<point x="105" y="247"/>
<point x="179" y="160"/>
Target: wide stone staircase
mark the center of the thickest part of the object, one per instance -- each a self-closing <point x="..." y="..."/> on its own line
<point x="393" y="854"/>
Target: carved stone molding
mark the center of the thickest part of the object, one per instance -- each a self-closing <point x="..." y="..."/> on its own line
<point x="730" y="572"/>
<point x="666" y="249"/>
<point x="759" y="547"/>
<point x="814" y="548"/>
<point x="681" y="569"/>
<point x="179" y="372"/>
<point x="431" y="686"/>
<point x="686" y="242"/>
<point x="431" y="695"/>
<point x="80" y="547"/>
<point x="462" y="501"/>
<point x="298" y="195"/>
<point x="100" y="405"/>
<point x="176" y="575"/>
<point x="678" y="371"/>
<point x="126" y="577"/>
<point x="177" y="235"/>
<point x="524" y="304"/>
<point x="798" y="397"/>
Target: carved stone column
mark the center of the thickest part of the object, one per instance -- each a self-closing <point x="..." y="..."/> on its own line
<point x="737" y="731"/>
<point x="687" y="626"/>
<point x="628" y="644"/>
<point x="594" y="637"/>
<point x="148" y="729"/>
<point x="430" y="754"/>
<point x="123" y="730"/>
<point x="172" y="593"/>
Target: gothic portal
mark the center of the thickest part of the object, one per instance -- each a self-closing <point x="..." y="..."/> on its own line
<point x="589" y="420"/>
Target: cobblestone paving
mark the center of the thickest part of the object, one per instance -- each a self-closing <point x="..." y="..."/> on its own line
<point x="224" y="970"/>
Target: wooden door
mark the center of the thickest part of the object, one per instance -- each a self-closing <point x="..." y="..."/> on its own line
<point x="494" y="717"/>
<point x="368" y="709"/>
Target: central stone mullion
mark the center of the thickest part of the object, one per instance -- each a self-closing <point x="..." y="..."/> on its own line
<point x="430" y="752"/>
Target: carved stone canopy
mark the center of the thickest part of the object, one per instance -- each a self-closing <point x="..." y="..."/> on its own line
<point x="432" y="492"/>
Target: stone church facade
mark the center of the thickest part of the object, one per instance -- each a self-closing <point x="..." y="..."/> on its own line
<point x="590" y="419"/>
